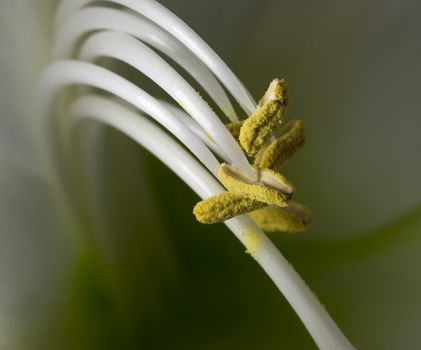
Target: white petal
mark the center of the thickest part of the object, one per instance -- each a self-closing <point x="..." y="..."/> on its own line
<point x="33" y="252"/>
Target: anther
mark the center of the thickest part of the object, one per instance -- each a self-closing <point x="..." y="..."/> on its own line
<point x="293" y="218"/>
<point x="287" y="144"/>
<point x="224" y="206"/>
<point x="271" y="187"/>
<point x="257" y="129"/>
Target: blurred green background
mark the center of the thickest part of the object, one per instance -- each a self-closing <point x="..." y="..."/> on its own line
<point x="154" y="278"/>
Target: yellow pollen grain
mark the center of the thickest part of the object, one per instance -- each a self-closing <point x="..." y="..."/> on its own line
<point x="210" y="138"/>
<point x="253" y="241"/>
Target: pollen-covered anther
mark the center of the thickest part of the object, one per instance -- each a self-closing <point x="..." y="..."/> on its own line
<point x="257" y="129"/>
<point x="224" y="206"/>
<point x="270" y="187"/>
<point x="287" y="144"/>
<point x="293" y="218"/>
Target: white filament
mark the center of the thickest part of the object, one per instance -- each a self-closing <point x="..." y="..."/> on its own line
<point x="196" y="129"/>
<point x="92" y="19"/>
<point x="150" y="136"/>
<point x="129" y="50"/>
<point x="180" y="30"/>
<point x="61" y="74"/>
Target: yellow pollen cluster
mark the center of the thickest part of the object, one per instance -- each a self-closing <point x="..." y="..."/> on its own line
<point x="267" y="198"/>
<point x="295" y="217"/>
<point x="253" y="241"/>
<point x="257" y="129"/>
<point x="224" y="206"/>
<point x="286" y="145"/>
<point x="278" y="194"/>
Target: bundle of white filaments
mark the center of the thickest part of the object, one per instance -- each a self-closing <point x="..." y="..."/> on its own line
<point x="190" y="139"/>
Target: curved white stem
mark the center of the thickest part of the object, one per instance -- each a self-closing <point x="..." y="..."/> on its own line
<point x="154" y="139"/>
<point x="196" y="129"/>
<point x="171" y="23"/>
<point x="129" y="50"/>
<point x="92" y="19"/>
<point x="61" y="74"/>
<point x="318" y="322"/>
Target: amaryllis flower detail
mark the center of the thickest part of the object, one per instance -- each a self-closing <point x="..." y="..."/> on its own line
<point x="97" y="236"/>
<point x="267" y="197"/>
<point x="201" y="139"/>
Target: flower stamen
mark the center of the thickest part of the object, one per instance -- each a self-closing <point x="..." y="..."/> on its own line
<point x="288" y="142"/>
<point x="131" y="51"/>
<point x="258" y="128"/>
<point x="293" y="218"/>
<point x="167" y="20"/>
<point x="270" y="191"/>
<point x="271" y="188"/>
<point x="224" y="206"/>
<point x="92" y="19"/>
